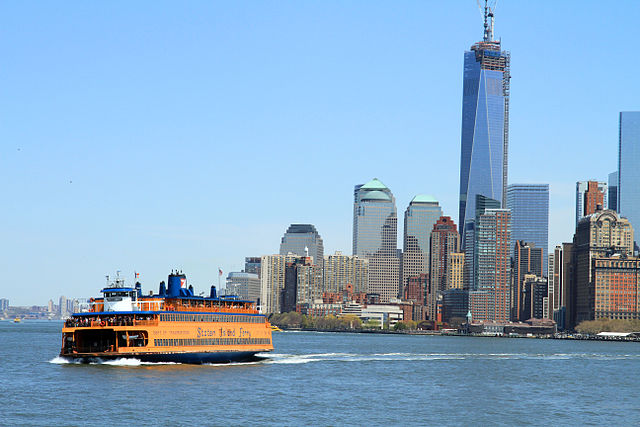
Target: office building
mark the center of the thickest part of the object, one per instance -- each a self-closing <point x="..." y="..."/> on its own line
<point x="252" y="265"/>
<point x="343" y="270"/>
<point x="535" y="298"/>
<point x="375" y="235"/>
<point x="529" y="205"/>
<point x="419" y="218"/>
<point x="303" y="240"/>
<point x="527" y="260"/>
<point x="616" y="281"/>
<point x="244" y="285"/>
<point x="590" y="195"/>
<point x="629" y="167"/>
<point x="613" y="191"/>
<point x="599" y="236"/>
<point x="485" y="124"/>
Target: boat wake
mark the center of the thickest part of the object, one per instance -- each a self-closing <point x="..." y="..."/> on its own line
<point x="292" y="359"/>
<point x="115" y="362"/>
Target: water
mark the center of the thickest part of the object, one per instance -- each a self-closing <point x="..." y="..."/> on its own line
<point x="328" y="379"/>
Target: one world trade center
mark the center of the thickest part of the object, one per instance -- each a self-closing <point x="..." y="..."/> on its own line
<point x="485" y="124"/>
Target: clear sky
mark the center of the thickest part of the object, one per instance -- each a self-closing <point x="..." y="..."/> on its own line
<point x="148" y="136"/>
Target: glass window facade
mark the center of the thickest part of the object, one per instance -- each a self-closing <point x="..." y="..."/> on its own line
<point x="529" y="205"/>
<point x="485" y="122"/>
<point x="629" y="167"/>
<point x="375" y="237"/>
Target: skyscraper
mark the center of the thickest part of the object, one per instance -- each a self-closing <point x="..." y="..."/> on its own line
<point x="629" y="167"/>
<point x="529" y="205"/>
<point x="419" y="218"/>
<point x="590" y="195"/>
<point x="303" y="240"/>
<point x="485" y="124"/>
<point x="375" y="235"/>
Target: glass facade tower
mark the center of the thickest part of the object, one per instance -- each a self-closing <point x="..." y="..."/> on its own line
<point x="485" y="125"/>
<point x="529" y="205"/>
<point x="419" y="218"/>
<point x="629" y="167"/>
<point x="375" y="237"/>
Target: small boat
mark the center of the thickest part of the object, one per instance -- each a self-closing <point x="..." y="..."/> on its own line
<point x="274" y="328"/>
<point x="17" y="320"/>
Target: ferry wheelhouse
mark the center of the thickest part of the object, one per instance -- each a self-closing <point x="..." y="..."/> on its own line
<point x="172" y="326"/>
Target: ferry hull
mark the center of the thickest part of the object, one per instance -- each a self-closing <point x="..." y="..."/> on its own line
<point x="192" y="358"/>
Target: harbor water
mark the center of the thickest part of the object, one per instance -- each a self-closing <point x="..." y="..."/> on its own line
<point x="328" y="379"/>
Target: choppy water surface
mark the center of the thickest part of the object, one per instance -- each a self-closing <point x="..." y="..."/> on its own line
<point x="328" y="379"/>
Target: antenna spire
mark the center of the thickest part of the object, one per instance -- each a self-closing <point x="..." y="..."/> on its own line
<point x="488" y="22"/>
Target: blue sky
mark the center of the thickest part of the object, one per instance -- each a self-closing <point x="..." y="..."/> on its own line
<point x="156" y="135"/>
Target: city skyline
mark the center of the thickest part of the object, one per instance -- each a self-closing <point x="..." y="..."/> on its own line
<point x="123" y="154"/>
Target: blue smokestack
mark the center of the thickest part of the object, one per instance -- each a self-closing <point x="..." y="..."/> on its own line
<point x="176" y="282"/>
<point x="213" y="292"/>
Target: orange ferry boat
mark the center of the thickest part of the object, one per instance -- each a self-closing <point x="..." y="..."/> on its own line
<point x="172" y="326"/>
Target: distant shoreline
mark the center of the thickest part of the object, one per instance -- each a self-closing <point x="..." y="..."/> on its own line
<point x="570" y="337"/>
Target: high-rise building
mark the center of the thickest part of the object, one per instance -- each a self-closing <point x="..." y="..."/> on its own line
<point x="303" y="240"/>
<point x="62" y="306"/>
<point x="555" y="281"/>
<point x="529" y="205"/>
<point x="485" y="124"/>
<point x="445" y="240"/>
<point x="342" y="270"/>
<point x="419" y="218"/>
<point x="252" y="265"/>
<point x="629" y="167"/>
<point x="589" y="196"/>
<point x="490" y="301"/>
<point x="302" y="283"/>
<point x="535" y="297"/>
<point x="271" y="283"/>
<point x="470" y="254"/>
<point x="4" y="304"/>
<point x="244" y="285"/>
<point x="598" y="236"/>
<point x="375" y="237"/>
<point x="527" y="260"/>
<point x="613" y="191"/>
